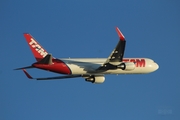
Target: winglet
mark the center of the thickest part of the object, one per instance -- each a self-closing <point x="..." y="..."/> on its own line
<point x="27" y="74"/>
<point x="121" y="36"/>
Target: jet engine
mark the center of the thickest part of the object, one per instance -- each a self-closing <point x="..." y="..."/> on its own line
<point x="126" y="66"/>
<point x="95" y="79"/>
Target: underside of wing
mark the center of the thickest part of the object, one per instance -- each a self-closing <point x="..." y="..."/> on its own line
<point x="98" y="78"/>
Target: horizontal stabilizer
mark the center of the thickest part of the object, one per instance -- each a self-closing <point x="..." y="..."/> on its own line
<point x="28" y="67"/>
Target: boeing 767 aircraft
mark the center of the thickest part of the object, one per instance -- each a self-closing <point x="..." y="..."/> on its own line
<point x="92" y="69"/>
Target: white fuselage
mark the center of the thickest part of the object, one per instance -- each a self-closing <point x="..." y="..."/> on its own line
<point x="90" y="66"/>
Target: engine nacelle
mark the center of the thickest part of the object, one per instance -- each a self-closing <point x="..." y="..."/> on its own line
<point x="96" y="79"/>
<point x="126" y="66"/>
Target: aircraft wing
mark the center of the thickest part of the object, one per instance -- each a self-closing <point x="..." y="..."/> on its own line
<point x="97" y="78"/>
<point x="117" y="54"/>
<point x="59" y="77"/>
<point x="50" y="78"/>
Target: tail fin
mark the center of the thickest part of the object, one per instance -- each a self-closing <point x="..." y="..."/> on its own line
<point x="38" y="51"/>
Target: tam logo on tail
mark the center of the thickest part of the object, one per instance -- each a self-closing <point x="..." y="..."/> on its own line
<point x="38" y="51"/>
<point x="37" y="47"/>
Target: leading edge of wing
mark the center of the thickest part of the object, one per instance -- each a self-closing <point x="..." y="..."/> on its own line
<point x="51" y="78"/>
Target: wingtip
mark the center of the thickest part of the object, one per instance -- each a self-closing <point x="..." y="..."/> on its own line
<point x="27" y="74"/>
<point x="121" y="36"/>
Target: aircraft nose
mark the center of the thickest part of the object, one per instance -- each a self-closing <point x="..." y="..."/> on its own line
<point x="156" y="66"/>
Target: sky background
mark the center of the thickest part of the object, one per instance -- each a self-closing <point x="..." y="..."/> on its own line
<point x="86" y="29"/>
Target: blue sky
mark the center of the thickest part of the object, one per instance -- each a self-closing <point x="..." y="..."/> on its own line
<point x="87" y="29"/>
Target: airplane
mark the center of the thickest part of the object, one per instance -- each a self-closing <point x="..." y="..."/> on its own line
<point x="91" y="69"/>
